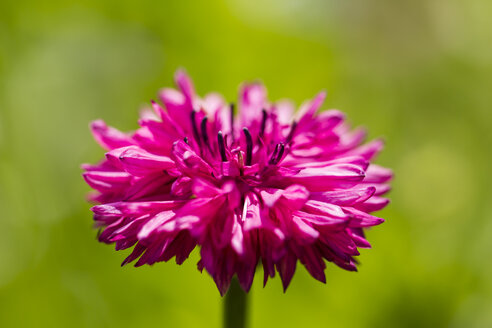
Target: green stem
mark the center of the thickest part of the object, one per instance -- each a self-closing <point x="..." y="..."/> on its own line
<point x="235" y="306"/>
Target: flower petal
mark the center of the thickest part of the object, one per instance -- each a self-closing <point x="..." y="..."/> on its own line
<point x="107" y="180"/>
<point x="252" y="100"/>
<point x="345" y="197"/>
<point x="139" y="162"/>
<point x="108" y="137"/>
<point x="338" y="175"/>
<point x="136" y="208"/>
<point x="377" y="174"/>
<point x="361" y="219"/>
<point x="153" y="224"/>
<point x="286" y="268"/>
<point x="184" y="83"/>
<point x="373" y="204"/>
<point x="309" y="109"/>
<point x="188" y="161"/>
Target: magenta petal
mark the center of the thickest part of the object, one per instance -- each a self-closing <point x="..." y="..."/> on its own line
<point x="107" y="180"/>
<point x="108" y="137"/>
<point x="135" y="208"/>
<point x="205" y="189"/>
<point x="184" y="83"/>
<point x="154" y="223"/>
<point x="181" y="187"/>
<point x="172" y="99"/>
<point x="295" y="196"/>
<point x="355" y="160"/>
<point x="322" y="208"/>
<point x="182" y="246"/>
<point x="252" y="99"/>
<point x="303" y="231"/>
<point x="271" y="196"/>
<point x="286" y="268"/>
<point x="214" y="105"/>
<point x="377" y="174"/>
<point x="370" y="150"/>
<point x="359" y="239"/>
<point x="284" y="110"/>
<point x="313" y="262"/>
<point x="187" y="159"/>
<point x="237" y="239"/>
<point x="113" y="158"/>
<point x="324" y="221"/>
<point x="252" y="213"/>
<point x="350" y="139"/>
<point x="345" y="197"/>
<point x="148" y="186"/>
<point x="373" y="204"/>
<point x="138" y="162"/>
<point x="308" y="110"/>
<point x="157" y="137"/>
<point x="338" y="175"/>
<point x="361" y="219"/>
<point x="245" y="275"/>
<point x="137" y="251"/>
<point x="330" y="119"/>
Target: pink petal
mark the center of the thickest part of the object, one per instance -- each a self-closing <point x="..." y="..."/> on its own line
<point x="369" y="150"/>
<point x="135" y="208"/>
<point x="251" y="213"/>
<point x="284" y="110"/>
<point x="237" y="240"/>
<point x="377" y="174"/>
<point x="346" y="197"/>
<point x="309" y="109"/>
<point x="107" y="180"/>
<point x="304" y="233"/>
<point x="322" y="221"/>
<point x="361" y="219"/>
<point x="213" y="103"/>
<point x="358" y="238"/>
<point x="286" y="268"/>
<point x="154" y="223"/>
<point x="313" y="262"/>
<point x="186" y="159"/>
<point x="185" y="84"/>
<point x="295" y="196"/>
<point x="373" y="204"/>
<point x="338" y="175"/>
<point x="323" y="208"/>
<point x="182" y="187"/>
<point x="252" y="100"/>
<point x="137" y="161"/>
<point x="108" y="137"/>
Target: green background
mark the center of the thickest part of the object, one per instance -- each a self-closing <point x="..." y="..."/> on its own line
<point x="417" y="72"/>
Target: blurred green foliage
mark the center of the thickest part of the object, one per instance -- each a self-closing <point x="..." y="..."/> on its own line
<point x="418" y="72"/>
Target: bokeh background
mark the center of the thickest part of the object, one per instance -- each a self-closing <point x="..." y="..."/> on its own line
<point x="417" y="72"/>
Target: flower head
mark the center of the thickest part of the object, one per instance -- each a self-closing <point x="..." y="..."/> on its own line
<point x="260" y="185"/>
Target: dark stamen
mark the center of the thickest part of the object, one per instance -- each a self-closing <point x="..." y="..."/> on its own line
<point x="277" y="154"/>
<point x="280" y="153"/>
<point x="263" y="122"/>
<point x="249" y="146"/>
<point x="291" y="133"/>
<point x="220" y="141"/>
<point x="231" y="106"/>
<point x="194" y="127"/>
<point x="274" y="155"/>
<point x="186" y="140"/>
<point x="204" y="131"/>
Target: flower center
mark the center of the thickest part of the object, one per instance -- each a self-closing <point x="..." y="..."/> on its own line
<point x="237" y="157"/>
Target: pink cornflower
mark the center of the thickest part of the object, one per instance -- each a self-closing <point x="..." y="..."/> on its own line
<point x="260" y="185"/>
